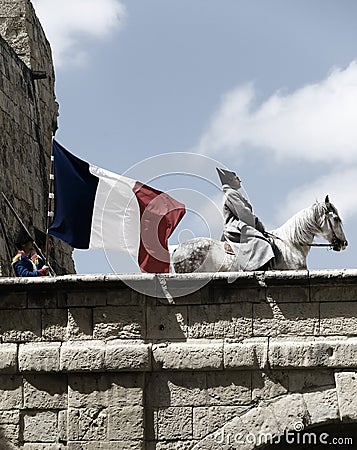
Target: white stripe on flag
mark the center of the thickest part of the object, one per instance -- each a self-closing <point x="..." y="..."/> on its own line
<point x="116" y="213"/>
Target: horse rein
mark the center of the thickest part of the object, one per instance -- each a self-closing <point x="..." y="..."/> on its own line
<point x="334" y="236"/>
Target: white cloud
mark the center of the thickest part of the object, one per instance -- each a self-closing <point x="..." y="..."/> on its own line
<point x="67" y="23"/>
<point x="341" y="187"/>
<point x="316" y="122"/>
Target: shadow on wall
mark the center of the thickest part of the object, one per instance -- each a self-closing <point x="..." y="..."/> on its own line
<point x="5" y="444"/>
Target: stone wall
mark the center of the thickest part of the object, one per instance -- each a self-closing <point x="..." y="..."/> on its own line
<point x="28" y="119"/>
<point x="95" y="363"/>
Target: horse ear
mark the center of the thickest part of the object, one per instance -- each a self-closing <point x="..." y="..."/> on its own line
<point x="327" y="200"/>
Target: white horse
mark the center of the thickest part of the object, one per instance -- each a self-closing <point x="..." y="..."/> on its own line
<point x="291" y="243"/>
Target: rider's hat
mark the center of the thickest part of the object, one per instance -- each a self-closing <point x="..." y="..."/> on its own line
<point x="226" y="176"/>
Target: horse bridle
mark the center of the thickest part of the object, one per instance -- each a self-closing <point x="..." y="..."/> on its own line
<point x="334" y="236"/>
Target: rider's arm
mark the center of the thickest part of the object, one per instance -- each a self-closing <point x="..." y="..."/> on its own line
<point x="240" y="207"/>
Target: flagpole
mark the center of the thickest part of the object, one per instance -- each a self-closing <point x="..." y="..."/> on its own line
<point x="50" y="208"/>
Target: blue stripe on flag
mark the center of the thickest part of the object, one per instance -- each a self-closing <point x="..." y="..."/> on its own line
<point x="75" y="190"/>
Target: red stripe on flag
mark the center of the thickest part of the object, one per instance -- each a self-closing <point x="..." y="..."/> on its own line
<point x="159" y="216"/>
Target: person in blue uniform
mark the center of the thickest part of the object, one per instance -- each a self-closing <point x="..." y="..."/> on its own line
<point x="22" y="263"/>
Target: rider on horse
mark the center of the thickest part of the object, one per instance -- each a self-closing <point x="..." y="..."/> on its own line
<point x="244" y="232"/>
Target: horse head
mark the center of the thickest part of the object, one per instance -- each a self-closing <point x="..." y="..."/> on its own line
<point x="331" y="226"/>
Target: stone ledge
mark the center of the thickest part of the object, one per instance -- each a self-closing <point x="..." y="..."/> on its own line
<point x="76" y="356"/>
<point x="276" y="276"/>
<point x="192" y="355"/>
<point x="334" y="352"/>
<point x="39" y="357"/>
<point x="251" y="353"/>
<point x="8" y="358"/>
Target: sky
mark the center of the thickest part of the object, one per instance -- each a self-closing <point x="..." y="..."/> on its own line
<point x="164" y="91"/>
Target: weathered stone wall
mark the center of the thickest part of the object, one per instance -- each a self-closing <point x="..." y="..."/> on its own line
<point x="94" y="363"/>
<point x="28" y="116"/>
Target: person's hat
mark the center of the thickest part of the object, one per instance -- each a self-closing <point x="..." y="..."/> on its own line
<point x="21" y="238"/>
<point x="226" y="176"/>
<point x="40" y="237"/>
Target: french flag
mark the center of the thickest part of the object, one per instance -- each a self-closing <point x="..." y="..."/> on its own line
<point x="99" y="209"/>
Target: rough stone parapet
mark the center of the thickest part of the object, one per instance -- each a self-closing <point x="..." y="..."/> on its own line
<point x="89" y="362"/>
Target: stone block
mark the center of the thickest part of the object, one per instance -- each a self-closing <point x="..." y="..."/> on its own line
<point x="99" y="445"/>
<point x="275" y="319"/>
<point x="191" y="296"/>
<point x="10" y="392"/>
<point x="121" y="356"/>
<point x="346" y="387"/>
<point x="322" y="405"/>
<point x="207" y="420"/>
<point x="124" y="297"/>
<point x="8" y="358"/>
<point x="39" y="357"/>
<point x="220" y="321"/>
<point x="38" y="299"/>
<point x="22" y="326"/>
<point x="167" y="322"/>
<point x="175" y="423"/>
<point x="10" y="428"/>
<point x="291" y="353"/>
<point x="269" y="384"/>
<point x="13" y="300"/>
<point x="80" y="323"/>
<point x="176" y="389"/>
<point x="289" y="411"/>
<point x="231" y="388"/>
<point x="190" y="355"/>
<point x="62" y="425"/>
<point x="86" y="298"/>
<point x="259" y="421"/>
<point x="126" y="423"/>
<point x="54" y="324"/>
<point x="251" y="353"/>
<point x="309" y="380"/>
<point x="77" y="356"/>
<point x="233" y="435"/>
<point x="45" y="391"/>
<point x="87" y="424"/>
<point x="41" y="446"/>
<point x="175" y="445"/>
<point x="10" y="417"/>
<point x="40" y="426"/>
<point x="289" y="294"/>
<point x="12" y="9"/>
<point x="232" y="290"/>
<point x="124" y="322"/>
<point x="105" y="390"/>
<point x="338" y="318"/>
<point x="185" y="289"/>
<point x="329" y="292"/>
<point x="288" y="286"/>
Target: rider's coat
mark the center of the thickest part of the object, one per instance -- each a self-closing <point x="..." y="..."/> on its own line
<point x="244" y="231"/>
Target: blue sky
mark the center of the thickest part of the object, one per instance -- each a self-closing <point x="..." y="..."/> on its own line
<point x="268" y="89"/>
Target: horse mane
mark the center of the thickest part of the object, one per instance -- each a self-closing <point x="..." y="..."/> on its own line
<point x="303" y="225"/>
